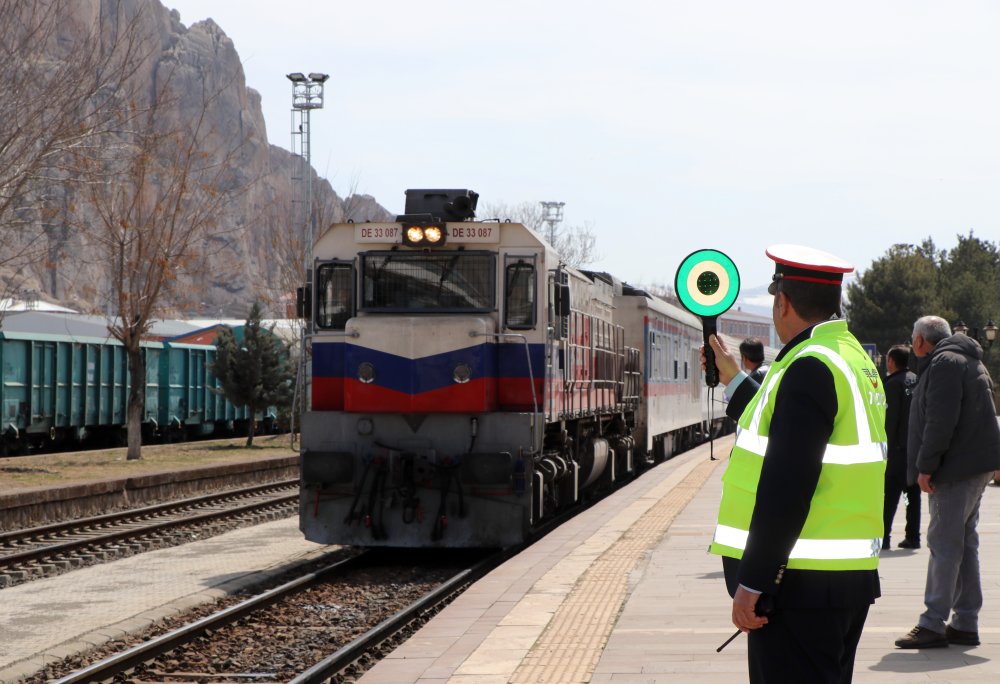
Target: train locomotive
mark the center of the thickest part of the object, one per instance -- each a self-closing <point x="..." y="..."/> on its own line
<point x="466" y="384"/>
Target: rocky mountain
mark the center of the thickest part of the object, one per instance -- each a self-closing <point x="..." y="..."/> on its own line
<point x="242" y="266"/>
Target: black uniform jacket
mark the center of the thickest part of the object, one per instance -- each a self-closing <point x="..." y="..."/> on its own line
<point x="804" y="412"/>
<point x="898" y="391"/>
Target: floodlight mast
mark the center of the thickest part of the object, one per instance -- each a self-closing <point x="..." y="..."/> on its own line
<point x="552" y="216"/>
<point x="307" y="95"/>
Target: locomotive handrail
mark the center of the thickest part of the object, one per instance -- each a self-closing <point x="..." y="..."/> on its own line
<point x="531" y="375"/>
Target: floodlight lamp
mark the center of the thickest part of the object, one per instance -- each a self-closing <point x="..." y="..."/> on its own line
<point x="318" y="78"/>
<point x="296" y="77"/>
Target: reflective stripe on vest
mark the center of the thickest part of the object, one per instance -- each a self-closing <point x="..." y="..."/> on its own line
<point x="815" y="549"/>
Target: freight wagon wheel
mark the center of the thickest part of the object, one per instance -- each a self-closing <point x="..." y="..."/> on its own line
<point x="10" y="444"/>
<point x="174" y="434"/>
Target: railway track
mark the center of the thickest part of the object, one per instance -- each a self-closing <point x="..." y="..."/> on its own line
<point x="336" y="636"/>
<point x="50" y="549"/>
<point x="329" y="624"/>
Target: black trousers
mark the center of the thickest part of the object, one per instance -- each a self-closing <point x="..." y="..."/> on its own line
<point x="894" y="487"/>
<point x="815" y="646"/>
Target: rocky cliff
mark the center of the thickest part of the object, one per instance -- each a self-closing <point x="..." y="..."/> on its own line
<point x="242" y="266"/>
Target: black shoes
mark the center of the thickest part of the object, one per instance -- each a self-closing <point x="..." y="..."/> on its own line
<point x="905" y="544"/>
<point x="921" y="637"/>
<point x="957" y="636"/>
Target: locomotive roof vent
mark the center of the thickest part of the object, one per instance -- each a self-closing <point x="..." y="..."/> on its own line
<point x="439" y="205"/>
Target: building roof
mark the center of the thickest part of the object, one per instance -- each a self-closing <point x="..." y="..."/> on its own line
<point x="80" y="325"/>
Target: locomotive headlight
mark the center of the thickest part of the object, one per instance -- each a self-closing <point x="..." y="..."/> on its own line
<point x="424" y="235"/>
<point x="366" y="372"/>
<point x="433" y="234"/>
<point x="414" y="235"/>
<point x="462" y="373"/>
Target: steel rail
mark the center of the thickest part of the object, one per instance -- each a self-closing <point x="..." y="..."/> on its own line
<point x="31" y="533"/>
<point x="345" y="656"/>
<point x="148" y="650"/>
<point x="36" y="554"/>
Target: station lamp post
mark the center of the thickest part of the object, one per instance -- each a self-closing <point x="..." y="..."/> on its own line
<point x="986" y="336"/>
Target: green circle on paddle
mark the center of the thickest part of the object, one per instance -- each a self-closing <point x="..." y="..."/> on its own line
<point x="707" y="282"/>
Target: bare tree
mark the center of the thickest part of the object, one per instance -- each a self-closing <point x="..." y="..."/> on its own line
<point x="527" y="213"/>
<point x="662" y="290"/>
<point x="577" y="245"/>
<point x="170" y="178"/>
<point x="62" y="81"/>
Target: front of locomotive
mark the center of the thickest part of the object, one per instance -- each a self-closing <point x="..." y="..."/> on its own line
<point x="428" y="367"/>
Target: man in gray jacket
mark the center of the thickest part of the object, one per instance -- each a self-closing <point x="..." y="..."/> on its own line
<point x="953" y="449"/>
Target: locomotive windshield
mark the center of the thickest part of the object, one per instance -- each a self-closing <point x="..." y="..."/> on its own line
<point x="430" y="282"/>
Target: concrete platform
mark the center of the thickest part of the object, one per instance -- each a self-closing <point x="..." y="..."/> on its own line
<point x="49" y="619"/>
<point x="627" y="593"/>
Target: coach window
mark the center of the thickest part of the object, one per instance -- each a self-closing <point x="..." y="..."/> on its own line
<point x="675" y="346"/>
<point x="334" y="295"/>
<point x="661" y="367"/>
<point x="654" y="357"/>
<point x="519" y="294"/>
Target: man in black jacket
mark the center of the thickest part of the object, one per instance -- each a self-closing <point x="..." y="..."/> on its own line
<point x="752" y="359"/>
<point x="953" y="449"/>
<point x="899" y="385"/>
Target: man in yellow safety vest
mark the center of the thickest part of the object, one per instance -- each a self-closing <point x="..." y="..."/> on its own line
<point x="800" y="521"/>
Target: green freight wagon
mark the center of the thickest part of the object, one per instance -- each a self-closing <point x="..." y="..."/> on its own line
<point x="188" y="405"/>
<point x="65" y="384"/>
<point x="60" y="389"/>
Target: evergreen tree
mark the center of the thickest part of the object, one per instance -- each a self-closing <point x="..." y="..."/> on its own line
<point x="896" y="290"/>
<point x="254" y="368"/>
<point x="910" y="282"/>
<point x="970" y="278"/>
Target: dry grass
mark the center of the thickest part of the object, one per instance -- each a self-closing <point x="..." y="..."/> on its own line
<point x="56" y="470"/>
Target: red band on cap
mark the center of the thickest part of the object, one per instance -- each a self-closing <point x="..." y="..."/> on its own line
<point x="811" y="280"/>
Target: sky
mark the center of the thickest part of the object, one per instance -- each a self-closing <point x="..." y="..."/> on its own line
<point x="665" y="126"/>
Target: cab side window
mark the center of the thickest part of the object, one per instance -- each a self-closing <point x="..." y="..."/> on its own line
<point x="334" y="295"/>
<point x="520" y="282"/>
